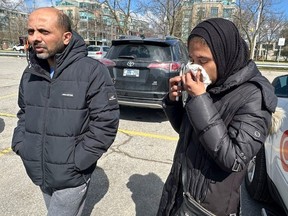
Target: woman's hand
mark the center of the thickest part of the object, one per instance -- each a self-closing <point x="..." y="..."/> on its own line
<point x="193" y="84"/>
<point x="175" y="88"/>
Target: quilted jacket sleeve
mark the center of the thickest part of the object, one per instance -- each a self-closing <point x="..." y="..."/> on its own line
<point x="234" y="146"/>
<point x="103" y="120"/>
<point x="174" y="112"/>
<point x="19" y="131"/>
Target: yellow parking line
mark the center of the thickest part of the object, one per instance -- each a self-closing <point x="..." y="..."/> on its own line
<point x="137" y="133"/>
<point x="8" y="115"/>
<point x="5" y="151"/>
<point x="8" y="96"/>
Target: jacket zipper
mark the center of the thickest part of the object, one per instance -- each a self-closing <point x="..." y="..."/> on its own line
<point x="44" y="133"/>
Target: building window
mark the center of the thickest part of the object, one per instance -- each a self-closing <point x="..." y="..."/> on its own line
<point x="201" y="13"/>
<point x="70" y="13"/>
<point x="227" y="13"/>
<point x="214" y="11"/>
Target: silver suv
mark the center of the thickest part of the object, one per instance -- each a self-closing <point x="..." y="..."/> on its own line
<point x="97" y="52"/>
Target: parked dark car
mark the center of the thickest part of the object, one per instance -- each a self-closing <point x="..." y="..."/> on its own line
<point x="141" y="68"/>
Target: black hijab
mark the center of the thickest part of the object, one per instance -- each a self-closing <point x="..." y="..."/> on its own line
<point x="229" y="50"/>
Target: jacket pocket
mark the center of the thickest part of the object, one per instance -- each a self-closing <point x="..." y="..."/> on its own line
<point x="17" y="148"/>
<point x="62" y="176"/>
<point x="190" y="207"/>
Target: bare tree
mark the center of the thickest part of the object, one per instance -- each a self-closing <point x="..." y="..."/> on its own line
<point x="254" y="16"/>
<point x="12" y="21"/>
<point x="120" y="12"/>
<point x="270" y="31"/>
<point x="284" y="34"/>
<point x="164" y="15"/>
<point x="10" y="4"/>
<point x="75" y="19"/>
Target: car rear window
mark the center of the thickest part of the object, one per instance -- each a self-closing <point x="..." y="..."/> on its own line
<point x="142" y="51"/>
<point x="92" y="48"/>
<point x="105" y="49"/>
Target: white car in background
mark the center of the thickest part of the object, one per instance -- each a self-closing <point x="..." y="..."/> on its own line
<point x="20" y="48"/>
<point x="267" y="174"/>
<point x="97" y="52"/>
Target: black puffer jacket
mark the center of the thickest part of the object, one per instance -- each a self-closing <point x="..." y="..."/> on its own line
<point x="218" y="138"/>
<point x="65" y="123"/>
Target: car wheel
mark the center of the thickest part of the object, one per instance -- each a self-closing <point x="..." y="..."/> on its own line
<point x="256" y="178"/>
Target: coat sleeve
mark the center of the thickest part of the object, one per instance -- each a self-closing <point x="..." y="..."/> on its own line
<point x="174" y="112"/>
<point x="234" y="146"/>
<point x="19" y="131"/>
<point x="103" y="120"/>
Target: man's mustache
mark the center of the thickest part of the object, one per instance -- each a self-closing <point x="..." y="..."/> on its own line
<point x="38" y="45"/>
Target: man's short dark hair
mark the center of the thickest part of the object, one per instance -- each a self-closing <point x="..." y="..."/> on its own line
<point x="65" y="22"/>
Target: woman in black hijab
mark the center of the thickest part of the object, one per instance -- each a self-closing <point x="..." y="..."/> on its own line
<point x="221" y="127"/>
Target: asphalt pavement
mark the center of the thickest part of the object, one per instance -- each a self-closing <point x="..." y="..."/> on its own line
<point x="129" y="178"/>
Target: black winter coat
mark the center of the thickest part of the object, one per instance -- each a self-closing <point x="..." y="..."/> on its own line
<point x="218" y="138"/>
<point x="65" y="123"/>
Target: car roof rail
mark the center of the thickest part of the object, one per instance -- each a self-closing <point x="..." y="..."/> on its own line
<point x="170" y="37"/>
<point x="129" y="37"/>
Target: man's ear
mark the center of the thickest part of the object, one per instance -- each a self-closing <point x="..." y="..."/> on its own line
<point x="67" y="37"/>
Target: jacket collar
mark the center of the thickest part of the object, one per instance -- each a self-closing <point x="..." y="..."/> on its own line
<point x="250" y="73"/>
<point x="75" y="50"/>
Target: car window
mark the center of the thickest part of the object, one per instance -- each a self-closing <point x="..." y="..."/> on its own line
<point x="177" y="53"/>
<point x="281" y="86"/>
<point x="93" y="48"/>
<point x="147" y="52"/>
<point x="105" y="49"/>
<point x="184" y="51"/>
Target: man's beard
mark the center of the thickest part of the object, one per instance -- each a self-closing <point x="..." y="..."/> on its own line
<point x="51" y="53"/>
<point x="45" y="55"/>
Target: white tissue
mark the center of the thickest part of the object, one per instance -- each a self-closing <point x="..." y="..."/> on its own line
<point x="194" y="68"/>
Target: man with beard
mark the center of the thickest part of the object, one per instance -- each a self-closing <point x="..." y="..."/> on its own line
<point x="221" y="127"/>
<point x="68" y="114"/>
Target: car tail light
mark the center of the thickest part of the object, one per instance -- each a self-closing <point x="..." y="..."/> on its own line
<point x="107" y="62"/>
<point x="99" y="53"/>
<point x="172" y="67"/>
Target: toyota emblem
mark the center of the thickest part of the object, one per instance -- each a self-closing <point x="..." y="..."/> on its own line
<point x="130" y="63"/>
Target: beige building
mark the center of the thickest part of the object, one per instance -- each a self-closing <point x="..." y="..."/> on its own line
<point x="85" y="16"/>
<point x="195" y="11"/>
<point x="95" y="22"/>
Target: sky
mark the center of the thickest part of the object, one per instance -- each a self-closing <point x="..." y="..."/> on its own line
<point x="40" y="3"/>
<point x="281" y="6"/>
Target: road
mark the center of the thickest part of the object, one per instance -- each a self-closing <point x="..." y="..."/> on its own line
<point x="129" y="177"/>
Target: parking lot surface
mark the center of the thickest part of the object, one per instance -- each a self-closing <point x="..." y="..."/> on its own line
<point x="129" y="178"/>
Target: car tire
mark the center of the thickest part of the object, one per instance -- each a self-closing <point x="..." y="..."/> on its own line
<point x="256" y="178"/>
